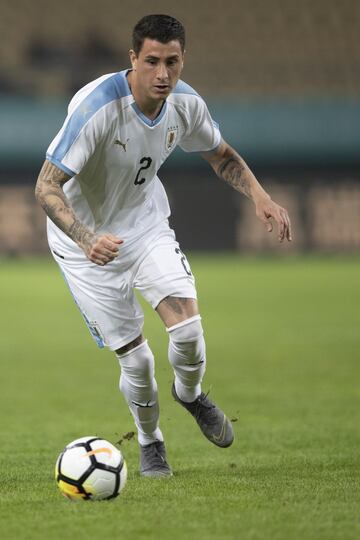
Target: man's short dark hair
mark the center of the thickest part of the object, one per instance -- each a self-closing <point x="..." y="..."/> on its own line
<point x="163" y="28"/>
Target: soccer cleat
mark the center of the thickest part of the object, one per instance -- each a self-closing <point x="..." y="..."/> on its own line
<point x="212" y="421"/>
<point x="153" y="460"/>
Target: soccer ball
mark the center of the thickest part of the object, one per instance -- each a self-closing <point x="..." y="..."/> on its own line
<point x="90" y="468"/>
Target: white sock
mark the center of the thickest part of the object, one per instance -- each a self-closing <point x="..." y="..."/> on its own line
<point x="187" y="357"/>
<point x="138" y="385"/>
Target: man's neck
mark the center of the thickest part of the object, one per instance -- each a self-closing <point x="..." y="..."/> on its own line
<point x="150" y="108"/>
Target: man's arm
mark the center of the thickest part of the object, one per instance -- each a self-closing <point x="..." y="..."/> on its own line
<point x="49" y="193"/>
<point x="229" y="166"/>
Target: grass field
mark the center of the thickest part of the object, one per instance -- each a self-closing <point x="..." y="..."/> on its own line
<point x="283" y="342"/>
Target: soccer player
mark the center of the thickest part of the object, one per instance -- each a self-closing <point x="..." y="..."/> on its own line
<point x="108" y="223"/>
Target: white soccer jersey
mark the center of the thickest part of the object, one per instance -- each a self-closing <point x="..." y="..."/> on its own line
<point x="113" y="153"/>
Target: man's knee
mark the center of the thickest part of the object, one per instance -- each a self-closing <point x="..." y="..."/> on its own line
<point x="137" y="365"/>
<point x="187" y="331"/>
<point x="187" y="342"/>
<point x="129" y="346"/>
<point x="174" y="310"/>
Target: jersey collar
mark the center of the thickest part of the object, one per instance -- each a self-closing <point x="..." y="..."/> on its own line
<point x="145" y="119"/>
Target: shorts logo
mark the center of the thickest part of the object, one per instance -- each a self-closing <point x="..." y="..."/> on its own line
<point x="171" y="136"/>
<point x="96" y="332"/>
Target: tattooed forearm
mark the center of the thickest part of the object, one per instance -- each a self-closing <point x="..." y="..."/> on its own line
<point x="234" y="172"/>
<point x="80" y="234"/>
<point x="230" y="167"/>
<point x="50" y="195"/>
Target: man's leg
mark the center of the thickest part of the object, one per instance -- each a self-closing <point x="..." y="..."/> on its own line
<point x="115" y="319"/>
<point x="188" y="359"/>
<point x="186" y="344"/>
<point x="138" y="385"/>
<point x="165" y="280"/>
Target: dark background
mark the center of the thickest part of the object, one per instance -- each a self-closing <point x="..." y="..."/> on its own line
<point x="282" y="77"/>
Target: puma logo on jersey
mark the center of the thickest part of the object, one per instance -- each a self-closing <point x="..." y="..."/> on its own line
<point x="122" y="144"/>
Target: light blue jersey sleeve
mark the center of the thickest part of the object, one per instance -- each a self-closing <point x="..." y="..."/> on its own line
<point x="85" y="125"/>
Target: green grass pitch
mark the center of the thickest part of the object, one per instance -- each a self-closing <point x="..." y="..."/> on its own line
<point x="283" y="343"/>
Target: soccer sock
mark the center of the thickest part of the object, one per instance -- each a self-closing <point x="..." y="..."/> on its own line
<point x="138" y="385"/>
<point x="187" y="357"/>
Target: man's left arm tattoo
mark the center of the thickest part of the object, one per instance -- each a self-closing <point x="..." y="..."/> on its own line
<point x="235" y="173"/>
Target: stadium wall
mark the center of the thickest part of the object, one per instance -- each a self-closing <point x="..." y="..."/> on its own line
<point x="293" y="132"/>
<point x="306" y="153"/>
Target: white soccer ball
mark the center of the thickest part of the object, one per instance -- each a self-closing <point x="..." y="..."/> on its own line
<point x="90" y="468"/>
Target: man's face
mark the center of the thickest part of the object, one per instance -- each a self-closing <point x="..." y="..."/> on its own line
<point x="157" y="68"/>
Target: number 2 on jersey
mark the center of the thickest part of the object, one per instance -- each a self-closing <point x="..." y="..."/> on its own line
<point x="147" y="162"/>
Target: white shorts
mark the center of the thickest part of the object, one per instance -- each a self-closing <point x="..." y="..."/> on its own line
<point x="155" y="266"/>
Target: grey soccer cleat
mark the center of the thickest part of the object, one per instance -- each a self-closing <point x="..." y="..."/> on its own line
<point x="212" y="421"/>
<point x="153" y="460"/>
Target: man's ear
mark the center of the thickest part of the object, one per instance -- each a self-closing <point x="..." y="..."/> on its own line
<point x="133" y="59"/>
<point x="183" y="58"/>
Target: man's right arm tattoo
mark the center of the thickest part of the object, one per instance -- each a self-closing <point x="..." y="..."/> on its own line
<point x="51" y="197"/>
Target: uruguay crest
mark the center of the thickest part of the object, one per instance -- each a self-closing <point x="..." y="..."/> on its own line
<point x="171" y="136"/>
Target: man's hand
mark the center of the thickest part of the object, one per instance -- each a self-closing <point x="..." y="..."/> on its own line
<point x="229" y="166"/>
<point x="266" y="210"/>
<point x="102" y="249"/>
